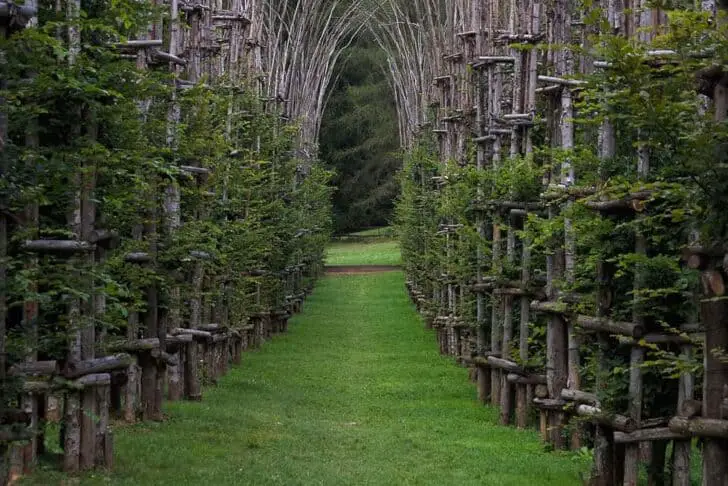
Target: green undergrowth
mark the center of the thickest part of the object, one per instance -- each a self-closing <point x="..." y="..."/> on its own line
<point x="355" y="393"/>
<point x="379" y="252"/>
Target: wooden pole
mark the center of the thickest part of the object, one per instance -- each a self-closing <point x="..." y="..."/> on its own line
<point x="567" y="179"/>
<point x="172" y="211"/>
<point x="637" y="356"/>
<point x="682" y="449"/>
<point x="72" y="412"/>
<point x="484" y="375"/>
<point x="31" y="403"/>
<point x="714" y="316"/>
<point x="496" y="330"/>
<point x="506" y="387"/>
<point x="4" y="448"/>
<point x="88" y="333"/>
<point x="523" y="391"/>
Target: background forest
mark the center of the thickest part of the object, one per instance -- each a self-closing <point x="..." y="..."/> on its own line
<point x="359" y="139"/>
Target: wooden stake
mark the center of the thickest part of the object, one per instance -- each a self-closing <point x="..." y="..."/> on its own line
<point x="637" y="356"/>
<point x="72" y="437"/>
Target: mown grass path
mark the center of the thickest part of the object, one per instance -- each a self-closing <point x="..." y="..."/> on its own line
<point x="355" y="393"/>
<point x="377" y="252"/>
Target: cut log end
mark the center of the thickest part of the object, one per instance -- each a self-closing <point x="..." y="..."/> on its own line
<point x="713" y="283"/>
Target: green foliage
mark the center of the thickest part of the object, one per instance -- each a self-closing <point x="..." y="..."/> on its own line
<point x="516" y="179"/>
<point x="416" y="216"/>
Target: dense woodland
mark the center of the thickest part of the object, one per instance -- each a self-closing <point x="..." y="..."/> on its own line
<point x="359" y="139"/>
<point x="561" y="206"/>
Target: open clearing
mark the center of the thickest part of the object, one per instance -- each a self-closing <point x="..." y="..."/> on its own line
<point x="378" y="252"/>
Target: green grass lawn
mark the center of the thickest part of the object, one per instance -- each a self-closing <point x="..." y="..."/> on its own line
<point x="380" y="252"/>
<point x="356" y="393"/>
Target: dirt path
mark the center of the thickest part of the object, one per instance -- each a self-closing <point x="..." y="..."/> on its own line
<point x="357" y="269"/>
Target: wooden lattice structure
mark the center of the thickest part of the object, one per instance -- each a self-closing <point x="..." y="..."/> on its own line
<point x="188" y="333"/>
<point x="503" y="86"/>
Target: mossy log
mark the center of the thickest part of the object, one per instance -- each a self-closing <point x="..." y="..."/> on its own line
<point x="97" y="365"/>
<point x="195" y="333"/>
<point x="550" y="403"/>
<point x="35" y="368"/>
<point x="506" y="365"/>
<point x="136" y="346"/>
<point x="615" y="421"/>
<point x="59" y="246"/>
<point x="646" y="435"/>
<point x="138" y="257"/>
<point x="580" y="397"/>
<point x="104" y="238"/>
<point x="174" y="342"/>
<point x="601" y="324"/>
<point x="213" y="328"/>
<point x="138" y="44"/>
<point x="96" y="379"/>
<point x="700" y="427"/>
<point x="526" y="379"/>
<point x="549" y="307"/>
<point x="168" y="58"/>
